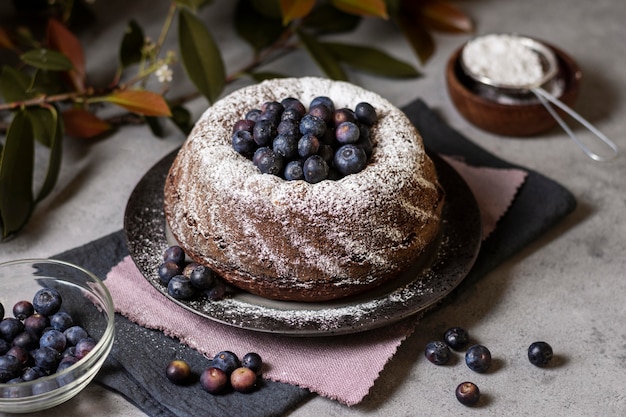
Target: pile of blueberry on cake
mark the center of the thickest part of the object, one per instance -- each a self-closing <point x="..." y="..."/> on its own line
<point x="284" y="139"/>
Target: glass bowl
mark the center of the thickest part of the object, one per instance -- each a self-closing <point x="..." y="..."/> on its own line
<point x="89" y="303"/>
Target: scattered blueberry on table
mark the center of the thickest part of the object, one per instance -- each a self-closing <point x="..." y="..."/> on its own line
<point x="540" y="353"/>
<point x="467" y="393"/>
<point x="456" y="337"/>
<point x="178" y="371"/>
<point x="437" y="352"/>
<point x="225" y="371"/>
<point x="478" y="358"/>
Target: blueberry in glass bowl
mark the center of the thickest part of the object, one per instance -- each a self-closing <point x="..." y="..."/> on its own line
<point x="35" y="377"/>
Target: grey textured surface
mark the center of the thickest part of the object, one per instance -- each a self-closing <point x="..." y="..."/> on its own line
<point x="567" y="288"/>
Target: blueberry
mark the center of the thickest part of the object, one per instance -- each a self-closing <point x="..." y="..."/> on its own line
<point x="188" y="269"/>
<point x="36" y="323"/>
<point x="217" y="291"/>
<point x="323" y="100"/>
<point x="213" y="380"/>
<point x="350" y="159"/>
<point x="347" y="132"/>
<point x="264" y="132"/>
<point x="323" y="112"/>
<point x="32" y="373"/>
<point x="268" y="161"/>
<point x="23" y="309"/>
<point x="327" y="153"/>
<point x="202" y="277"/>
<point x="467" y="393"/>
<point x="288" y="127"/>
<point x="308" y="145"/>
<point x="366" y="144"/>
<point x="22" y="354"/>
<point x="243" y="143"/>
<point x="54" y="339"/>
<point x="84" y="346"/>
<point x="243" y="125"/>
<point x="66" y="362"/>
<point x="253" y="115"/>
<point x="253" y="361"/>
<point x="10" y="327"/>
<point x="47" y="301"/>
<point x="315" y="169"/>
<point x="180" y="288"/>
<point x="293" y="104"/>
<point x="272" y="109"/>
<point x="75" y="334"/>
<point x="540" y="353"/>
<point x="26" y="340"/>
<point x="227" y="361"/>
<point x="178" y="372"/>
<point x="4" y="346"/>
<point x="292" y="115"/>
<point x="69" y="351"/>
<point x="312" y="125"/>
<point x="456" y="337"/>
<point x="1" y="311"/>
<point x="293" y="171"/>
<point x="174" y="254"/>
<point x="46" y="358"/>
<point x="167" y="270"/>
<point x="478" y="358"/>
<point x="437" y="352"/>
<point x="10" y="368"/>
<point x="286" y="146"/>
<point x="243" y="379"/>
<point x="366" y="113"/>
<point x="344" y="115"/>
<point x="61" y="321"/>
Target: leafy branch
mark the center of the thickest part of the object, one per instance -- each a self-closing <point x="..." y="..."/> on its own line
<point x="46" y="96"/>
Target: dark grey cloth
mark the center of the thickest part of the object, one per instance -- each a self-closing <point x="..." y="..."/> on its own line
<point x="136" y="366"/>
<point x="539" y="204"/>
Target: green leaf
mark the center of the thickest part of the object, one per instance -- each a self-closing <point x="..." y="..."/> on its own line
<point x="46" y="59"/>
<point x="14" y="85"/>
<point x="201" y="57"/>
<point x="182" y="119"/>
<point x="371" y="60"/>
<point x="132" y="44"/>
<point x="322" y="57"/>
<point x="326" y="19"/>
<point x="16" y="175"/>
<point x="47" y="82"/>
<point x="420" y="40"/>
<point x="155" y="126"/>
<point x="48" y="129"/>
<point x="260" y="31"/>
<point x="193" y="4"/>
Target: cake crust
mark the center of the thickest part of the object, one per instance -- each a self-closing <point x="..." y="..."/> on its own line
<point x="291" y="240"/>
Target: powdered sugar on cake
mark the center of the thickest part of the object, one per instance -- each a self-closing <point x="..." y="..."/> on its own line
<point x="258" y="228"/>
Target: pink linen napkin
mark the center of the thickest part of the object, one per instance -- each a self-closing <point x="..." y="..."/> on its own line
<point x="343" y="368"/>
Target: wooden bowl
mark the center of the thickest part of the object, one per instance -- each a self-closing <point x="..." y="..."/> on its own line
<point x="512" y="118"/>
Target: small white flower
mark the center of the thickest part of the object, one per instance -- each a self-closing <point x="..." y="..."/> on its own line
<point x="164" y="74"/>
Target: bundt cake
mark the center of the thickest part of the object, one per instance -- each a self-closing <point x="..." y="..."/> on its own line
<point x="293" y="239"/>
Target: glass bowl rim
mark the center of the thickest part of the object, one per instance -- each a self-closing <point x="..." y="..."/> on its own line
<point x="102" y="347"/>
